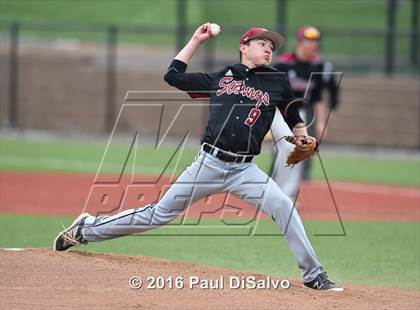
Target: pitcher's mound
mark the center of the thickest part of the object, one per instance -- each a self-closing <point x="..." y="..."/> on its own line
<point x="43" y="279"/>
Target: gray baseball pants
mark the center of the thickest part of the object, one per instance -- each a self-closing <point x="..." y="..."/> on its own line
<point x="205" y="176"/>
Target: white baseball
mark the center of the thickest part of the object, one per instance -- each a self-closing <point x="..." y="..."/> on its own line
<point x="214" y="29"/>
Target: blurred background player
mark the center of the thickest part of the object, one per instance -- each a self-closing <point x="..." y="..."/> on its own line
<point x="309" y="76"/>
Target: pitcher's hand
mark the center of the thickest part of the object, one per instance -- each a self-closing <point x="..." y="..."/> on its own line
<point x="202" y="34"/>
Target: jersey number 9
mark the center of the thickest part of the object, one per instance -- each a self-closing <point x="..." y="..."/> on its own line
<point x="253" y="115"/>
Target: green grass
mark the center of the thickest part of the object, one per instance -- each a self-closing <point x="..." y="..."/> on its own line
<point x="105" y="11"/>
<point x="372" y="253"/>
<point x="86" y="157"/>
<point x="326" y="14"/>
<point x="382" y="171"/>
<point x="70" y="156"/>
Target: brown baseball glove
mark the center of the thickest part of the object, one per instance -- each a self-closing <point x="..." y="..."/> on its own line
<point x="305" y="147"/>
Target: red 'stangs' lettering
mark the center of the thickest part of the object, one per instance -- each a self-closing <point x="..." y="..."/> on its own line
<point x="236" y="87"/>
<point x="224" y="83"/>
<point x="247" y="91"/>
<point x="265" y="99"/>
<point x="230" y="86"/>
<point x="253" y="115"/>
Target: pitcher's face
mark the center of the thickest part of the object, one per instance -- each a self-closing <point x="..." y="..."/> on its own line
<point x="258" y="52"/>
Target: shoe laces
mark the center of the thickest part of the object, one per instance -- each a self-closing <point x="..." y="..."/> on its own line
<point x="323" y="278"/>
<point x="70" y="236"/>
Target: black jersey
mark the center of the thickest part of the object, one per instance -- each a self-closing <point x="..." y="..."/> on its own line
<point x="303" y="85"/>
<point x="242" y="103"/>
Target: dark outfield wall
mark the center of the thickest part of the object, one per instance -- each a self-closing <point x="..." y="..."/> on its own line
<point x="62" y="88"/>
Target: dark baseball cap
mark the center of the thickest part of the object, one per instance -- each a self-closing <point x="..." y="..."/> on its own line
<point x="308" y="33"/>
<point x="262" y="33"/>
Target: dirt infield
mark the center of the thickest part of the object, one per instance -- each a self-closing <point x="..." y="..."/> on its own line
<point x="43" y="279"/>
<point x="71" y="194"/>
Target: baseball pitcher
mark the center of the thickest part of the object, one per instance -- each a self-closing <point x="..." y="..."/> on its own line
<point x="243" y="99"/>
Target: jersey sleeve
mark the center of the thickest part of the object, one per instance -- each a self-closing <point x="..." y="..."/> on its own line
<point x="289" y="106"/>
<point x="195" y="84"/>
